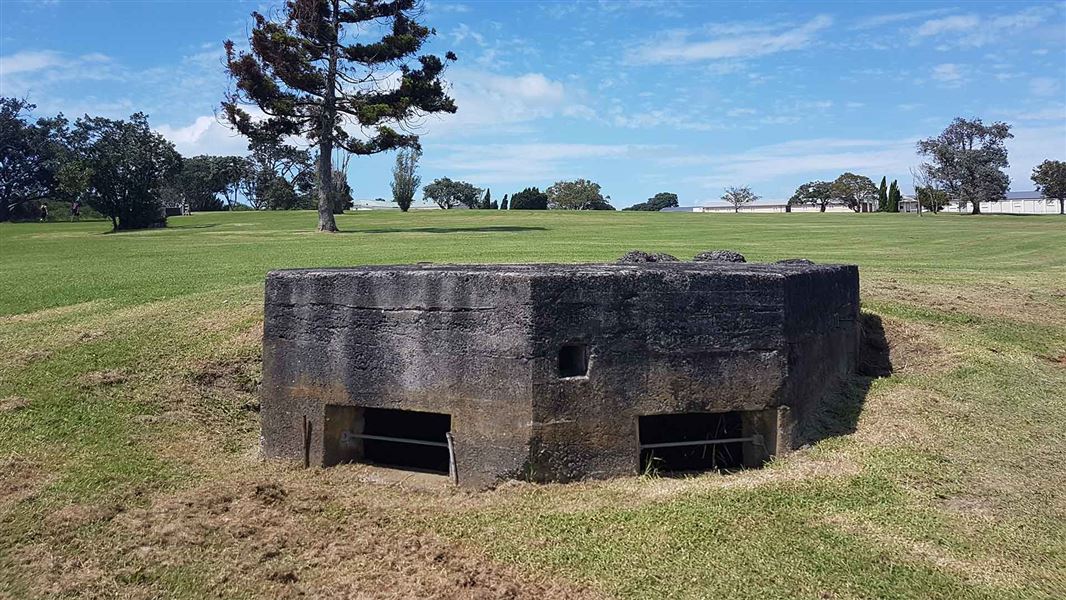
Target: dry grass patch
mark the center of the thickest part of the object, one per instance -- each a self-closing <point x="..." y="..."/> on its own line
<point x="104" y="378"/>
<point x="21" y="479"/>
<point x="990" y="300"/>
<point x="13" y="404"/>
<point x="891" y="417"/>
<point x="973" y="569"/>
<point x="917" y="348"/>
<point x="50" y="313"/>
<point x="796" y="468"/>
<point x="285" y="537"/>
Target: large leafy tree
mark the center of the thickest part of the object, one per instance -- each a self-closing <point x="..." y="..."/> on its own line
<point x="405" y="178"/>
<point x="853" y="191"/>
<point x="656" y="203"/>
<point x="818" y="193"/>
<point x="31" y="155"/>
<point x="931" y="199"/>
<point x="580" y="194"/>
<point x="269" y="169"/>
<point x="120" y="168"/>
<point x="449" y="194"/>
<point x="967" y="160"/>
<point x="1050" y="178"/>
<point x="530" y="198"/>
<point x="739" y="196"/>
<point x="232" y="172"/>
<point x="198" y="183"/>
<point x="316" y="71"/>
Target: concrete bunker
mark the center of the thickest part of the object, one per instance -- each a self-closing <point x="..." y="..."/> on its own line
<point x="552" y="372"/>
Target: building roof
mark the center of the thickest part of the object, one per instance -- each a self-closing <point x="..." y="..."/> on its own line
<point x="1030" y="195"/>
<point x="678" y="209"/>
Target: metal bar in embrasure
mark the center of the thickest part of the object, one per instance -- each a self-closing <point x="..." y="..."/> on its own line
<point x="451" y="458"/>
<point x="696" y="443"/>
<point x="382" y="438"/>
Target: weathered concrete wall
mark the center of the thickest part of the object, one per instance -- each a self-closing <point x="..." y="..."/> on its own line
<point x="482" y="343"/>
<point x="445" y="341"/>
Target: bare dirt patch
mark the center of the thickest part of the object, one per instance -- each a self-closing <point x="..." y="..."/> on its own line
<point x="1058" y="361"/>
<point x="282" y="539"/>
<point x="20" y="479"/>
<point x="13" y="404"/>
<point x="104" y="378"/>
<point x="232" y="375"/>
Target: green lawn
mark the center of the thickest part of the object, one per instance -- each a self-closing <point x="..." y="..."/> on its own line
<point x="128" y="425"/>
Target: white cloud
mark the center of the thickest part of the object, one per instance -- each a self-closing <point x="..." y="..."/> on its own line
<point x="1043" y="86"/>
<point x="890" y="18"/>
<point x="525" y="164"/>
<point x="949" y="74"/>
<point x="951" y="24"/>
<point x="972" y="30"/>
<point x="447" y="7"/>
<point x="807" y="159"/>
<point x="741" y="41"/>
<point x="205" y="135"/>
<point x="464" y="32"/>
<point x="1032" y="146"/>
<point x="1049" y="113"/>
<point x="28" y="62"/>
<point x="501" y="103"/>
<point x="34" y="69"/>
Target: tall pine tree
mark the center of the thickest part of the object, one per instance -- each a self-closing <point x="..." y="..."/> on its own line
<point x="317" y="70"/>
<point x="882" y="196"/>
<point x="893" y="197"/>
<point x="503" y="203"/>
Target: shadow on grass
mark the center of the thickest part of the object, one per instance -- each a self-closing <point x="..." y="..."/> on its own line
<point x="838" y="413"/>
<point x="488" y="229"/>
<point x="170" y="227"/>
<point x="202" y="226"/>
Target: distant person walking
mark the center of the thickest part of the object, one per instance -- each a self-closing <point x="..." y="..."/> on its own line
<point x="44" y="212"/>
<point x="75" y="210"/>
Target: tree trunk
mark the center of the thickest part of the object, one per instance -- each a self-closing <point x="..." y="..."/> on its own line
<point x="822" y="208"/>
<point x="976" y="208"/>
<point x="325" y="189"/>
<point x="325" y="139"/>
<point x="736" y="208"/>
<point x="1062" y="206"/>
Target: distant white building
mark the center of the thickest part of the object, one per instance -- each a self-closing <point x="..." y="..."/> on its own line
<point x="377" y="205"/>
<point x="1016" y="203"/>
<point x="769" y="207"/>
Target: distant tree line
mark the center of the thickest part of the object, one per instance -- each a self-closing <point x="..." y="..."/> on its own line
<point x="656" y="203"/>
<point x="446" y="193"/>
<point x="128" y="173"/>
<point x="117" y="167"/>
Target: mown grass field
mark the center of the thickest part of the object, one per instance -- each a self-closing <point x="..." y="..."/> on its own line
<point x="128" y="426"/>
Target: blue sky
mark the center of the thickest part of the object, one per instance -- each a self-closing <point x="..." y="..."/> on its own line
<point x="641" y="96"/>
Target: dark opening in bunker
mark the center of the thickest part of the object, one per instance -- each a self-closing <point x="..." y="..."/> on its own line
<point x="403" y="439"/>
<point x="574" y="360"/>
<point x="675" y="442"/>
